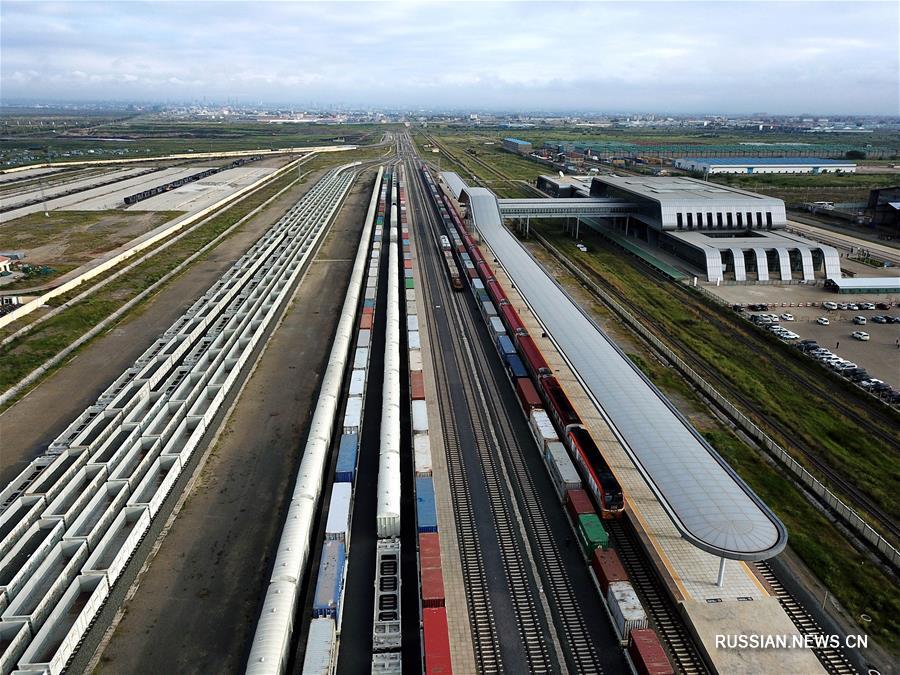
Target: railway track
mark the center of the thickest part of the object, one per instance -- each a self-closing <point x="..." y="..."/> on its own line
<point x="832" y="659"/>
<point x="658" y="605"/>
<point x="856" y="496"/>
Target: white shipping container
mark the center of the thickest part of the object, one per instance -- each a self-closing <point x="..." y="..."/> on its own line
<point x="497" y="327"/>
<point x="415" y="359"/>
<point x="338" y="525"/>
<point x="71" y="619"/>
<point x="365" y="336"/>
<point x="357" y="382"/>
<point x="422" y="452"/>
<point x="361" y="357"/>
<point x="353" y="415"/>
<point x="419" y="416"/>
<point x="319" y="659"/>
<point x="542" y="429"/>
<point x="626" y="609"/>
<point x="477" y="284"/>
<point x="411" y="309"/>
<point x="414" y="340"/>
<point x="412" y="323"/>
<point x="410" y="294"/>
<point x="562" y="471"/>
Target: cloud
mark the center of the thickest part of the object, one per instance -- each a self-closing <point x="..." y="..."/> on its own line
<point x="666" y="56"/>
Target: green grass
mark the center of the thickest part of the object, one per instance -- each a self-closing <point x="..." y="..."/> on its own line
<point x="23" y="355"/>
<point x="757" y="372"/>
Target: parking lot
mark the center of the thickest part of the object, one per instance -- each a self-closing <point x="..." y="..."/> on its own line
<point x="879" y="355"/>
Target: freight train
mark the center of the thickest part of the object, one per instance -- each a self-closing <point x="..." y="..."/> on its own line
<point x="552" y="417"/>
<point x="171" y="185"/>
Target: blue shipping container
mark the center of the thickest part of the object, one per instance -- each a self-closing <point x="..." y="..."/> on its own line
<point x="505" y="345"/>
<point x="346" y="461"/>
<point x="515" y="365"/>
<point x="330" y="582"/>
<point x="426" y="514"/>
<point x="369" y="302"/>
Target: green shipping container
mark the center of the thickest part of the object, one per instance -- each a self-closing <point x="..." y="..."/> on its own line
<point x="592" y="533"/>
<point x="409" y="283"/>
<point x="481" y="294"/>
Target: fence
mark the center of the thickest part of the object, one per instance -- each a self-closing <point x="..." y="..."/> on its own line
<point x="839" y="508"/>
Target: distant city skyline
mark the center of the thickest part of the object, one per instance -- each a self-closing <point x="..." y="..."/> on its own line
<point x="813" y="58"/>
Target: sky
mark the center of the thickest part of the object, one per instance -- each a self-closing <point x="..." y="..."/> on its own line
<point x="678" y="57"/>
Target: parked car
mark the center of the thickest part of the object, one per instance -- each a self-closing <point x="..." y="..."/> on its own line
<point x="893" y="319"/>
<point x="822" y="321"/>
<point x="787" y="317"/>
<point x="737" y="308"/>
<point x="859" y="335"/>
<point x="859" y="320"/>
<point x="830" y="305"/>
<point x="867" y="305"/>
<point x="853" y="306"/>
<point x="882" y="305"/>
<point x="869" y="384"/>
<point x="878" y="318"/>
<point x="843" y="305"/>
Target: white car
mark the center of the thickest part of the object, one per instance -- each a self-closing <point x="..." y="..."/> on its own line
<point x="822" y="321"/>
<point x="859" y="320"/>
<point x="787" y="317"/>
<point x="860" y="335"/>
<point x="830" y="305"/>
<point x="867" y="305"/>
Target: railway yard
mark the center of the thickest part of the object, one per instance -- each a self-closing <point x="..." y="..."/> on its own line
<point x="317" y="412"/>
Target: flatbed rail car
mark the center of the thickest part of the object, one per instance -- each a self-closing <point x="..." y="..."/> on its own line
<point x="171" y="185"/>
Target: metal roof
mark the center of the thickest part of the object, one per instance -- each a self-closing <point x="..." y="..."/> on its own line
<point x="888" y="283"/>
<point x="757" y="161"/>
<point x="454" y="182"/>
<point x="706" y="500"/>
<point x="517" y="141"/>
<point x="689" y="192"/>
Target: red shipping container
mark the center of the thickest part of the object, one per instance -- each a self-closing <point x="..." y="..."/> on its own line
<point x="527" y="394"/>
<point x="368" y="311"/>
<point x="416" y="385"/>
<point x="407" y="264"/>
<point x="365" y="321"/>
<point x="437" y="641"/>
<point x="432" y="587"/>
<point x="429" y="549"/>
<point x="647" y="654"/>
<point x="578" y="503"/>
<point x="472" y="272"/>
<point x="607" y="567"/>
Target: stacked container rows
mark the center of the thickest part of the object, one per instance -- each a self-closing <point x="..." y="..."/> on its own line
<point x="72" y="521"/>
<point x="435" y="636"/>
<point x="552" y="417"/>
<point x="324" y="635"/>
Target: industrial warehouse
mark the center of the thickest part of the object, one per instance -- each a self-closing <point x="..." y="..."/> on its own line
<point x="755" y="165"/>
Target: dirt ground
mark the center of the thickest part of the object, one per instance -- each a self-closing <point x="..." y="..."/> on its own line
<point x="196" y="608"/>
<point x="28" y="427"/>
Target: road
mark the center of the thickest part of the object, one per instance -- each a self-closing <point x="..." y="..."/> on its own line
<point x="543" y="611"/>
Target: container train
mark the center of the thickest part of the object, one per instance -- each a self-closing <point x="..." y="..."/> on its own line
<point x="171" y="185"/>
<point x="551" y="416"/>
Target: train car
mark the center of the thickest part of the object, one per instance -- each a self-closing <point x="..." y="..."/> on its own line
<point x="599" y="478"/>
<point x="445" y="242"/>
<point x="452" y="271"/>
<point x="528" y="396"/>
<point x="510" y="318"/>
<point x="495" y="291"/>
<point x="647" y="654"/>
<point x="558" y="405"/>
<point x="531" y="356"/>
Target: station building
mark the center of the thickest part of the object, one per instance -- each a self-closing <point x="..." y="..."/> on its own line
<point x="517" y="146"/>
<point x="756" y="165"/>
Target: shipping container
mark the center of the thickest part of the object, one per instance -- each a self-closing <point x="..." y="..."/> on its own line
<point x="369" y="304"/>
<point x="562" y="472"/>
<point x="591" y="533"/>
<point x="417" y="385"/>
<point x="320" y="644"/>
<point x="410" y="284"/>
<point x="436" y="641"/>
<point x="415" y="360"/>
<point x="478" y="284"/>
<point x="578" y="503"/>
<point x="542" y="429"/>
<point x="353" y="415"/>
<point x="488" y="310"/>
<point x="515" y="366"/>
<point x="413" y="340"/>
<point x="361" y="357"/>
<point x="505" y="345"/>
<point x="607" y="568"/>
<point x="647" y="654"/>
<point x="330" y="581"/>
<point x="422" y="453"/>
<point x="410" y="294"/>
<point x="357" y="382"/>
<point x="412" y="323"/>
<point x="365" y="336"/>
<point x="338" y="525"/>
<point x="408" y="274"/>
<point x="419" y="416"/>
<point x="411" y="309"/>
<point x="625" y="608"/>
<point x="365" y="321"/>
<point x="426" y="514"/>
<point x="346" y="460"/>
<point x="432" y="586"/>
<point x="528" y="396"/>
<point x="480" y="293"/>
<point x="429" y="549"/>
